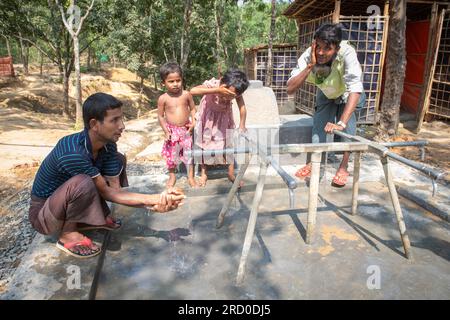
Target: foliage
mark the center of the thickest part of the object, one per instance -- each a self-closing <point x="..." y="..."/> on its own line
<point x="143" y="34"/>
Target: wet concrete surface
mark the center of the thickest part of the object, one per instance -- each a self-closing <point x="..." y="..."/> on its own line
<point x="181" y="255"/>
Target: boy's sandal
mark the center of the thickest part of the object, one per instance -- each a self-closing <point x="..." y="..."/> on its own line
<point x="304" y="171"/>
<point x="71" y="248"/>
<point x="111" y="225"/>
<point x="340" y="179"/>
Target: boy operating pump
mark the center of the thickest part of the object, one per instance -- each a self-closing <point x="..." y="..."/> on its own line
<point x="174" y="108"/>
<point x="333" y="67"/>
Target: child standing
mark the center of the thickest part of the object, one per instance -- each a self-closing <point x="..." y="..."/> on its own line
<point x="215" y="116"/>
<point x="174" y="108"/>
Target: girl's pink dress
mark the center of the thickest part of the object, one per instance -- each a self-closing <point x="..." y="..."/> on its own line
<point x="215" y="125"/>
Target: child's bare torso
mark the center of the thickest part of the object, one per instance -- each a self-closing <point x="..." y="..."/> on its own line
<point x="176" y="109"/>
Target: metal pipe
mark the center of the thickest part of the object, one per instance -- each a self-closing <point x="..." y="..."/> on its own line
<point x="232" y="192"/>
<point x="405" y="143"/>
<point x="384" y="151"/>
<point x="291" y="198"/>
<point x="418" y="166"/>
<point x="215" y="152"/>
<point x="290" y="182"/>
<point x="320" y="147"/>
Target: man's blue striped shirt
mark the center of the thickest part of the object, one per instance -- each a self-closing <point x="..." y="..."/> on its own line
<point x="71" y="156"/>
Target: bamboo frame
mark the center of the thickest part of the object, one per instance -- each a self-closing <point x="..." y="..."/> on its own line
<point x="428" y="66"/>
<point x="284" y="59"/>
<point x="434" y="49"/>
<point x="439" y="103"/>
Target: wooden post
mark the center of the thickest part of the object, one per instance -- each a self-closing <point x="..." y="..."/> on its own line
<point x="430" y="63"/>
<point x="252" y="222"/>
<point x="232" y="192"/>
<point x="255" y="64"/>
<point x="313" y="194"/>
<point x="397" y="207"/>
<point x="356" y="169"/>
<point x="383" y="55"/>
<point x="337" y="11"/>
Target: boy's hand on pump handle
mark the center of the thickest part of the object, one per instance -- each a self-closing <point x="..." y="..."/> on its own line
<point x="169" y="199"/>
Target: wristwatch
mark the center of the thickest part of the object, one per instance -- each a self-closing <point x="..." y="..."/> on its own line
<point x="342" y="124"/>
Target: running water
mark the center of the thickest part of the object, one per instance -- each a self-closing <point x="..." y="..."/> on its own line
<point x="181" y="259"/>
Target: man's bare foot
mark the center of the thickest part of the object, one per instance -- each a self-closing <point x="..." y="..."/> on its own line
<point x="171" y="182"/>
<point x="202" y="180"/>
<point x="193" y="183"/>
<point x="232" y="178"/>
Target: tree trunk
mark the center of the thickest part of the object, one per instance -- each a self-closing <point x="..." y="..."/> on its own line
<point x="27" y="55"/>
<point x="24" y="54"/>
<point x="78" y="98"/>
<point x="395" y="71"/>
<point x="89" y="59"/>
<point x="8" y="47"/>
<point x="269" y="51"/>
<point x="185" y="36"/>
<point x="41" y="63"/>
<point x="66" y="109"/>
<point x="217" y="14"/>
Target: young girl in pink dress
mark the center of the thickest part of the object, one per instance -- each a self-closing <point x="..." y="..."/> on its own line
<point x="213" y="130"/>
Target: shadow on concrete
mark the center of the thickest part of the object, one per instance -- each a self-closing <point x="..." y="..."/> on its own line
<point x="437" y="246"/>
<point x="363" y="232"/>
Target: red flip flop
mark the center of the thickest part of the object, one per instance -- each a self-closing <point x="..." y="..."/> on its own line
<point x="69" y="247"/>
<point x="340" y="179"/>
<point x="304" y="172"/>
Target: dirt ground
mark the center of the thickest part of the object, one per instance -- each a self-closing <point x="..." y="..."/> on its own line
<point x="437" y="133"/>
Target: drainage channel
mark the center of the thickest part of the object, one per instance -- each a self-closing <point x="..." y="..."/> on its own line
<point x="98" y="269"/>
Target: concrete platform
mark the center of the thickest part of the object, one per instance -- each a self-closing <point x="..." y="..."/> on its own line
<point x="181" y="255"/>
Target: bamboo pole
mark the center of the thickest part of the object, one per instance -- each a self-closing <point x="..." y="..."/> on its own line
<point x="313" y="194"/>
<point x="383" y="55"/>
<point x="232" y="192"/>
<point x="337" y="11"/>
<point x="252" y="222"/>
<point x="397" y="207"/>
<point x="430" y="64"/>
<point x="356" y="170"/>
